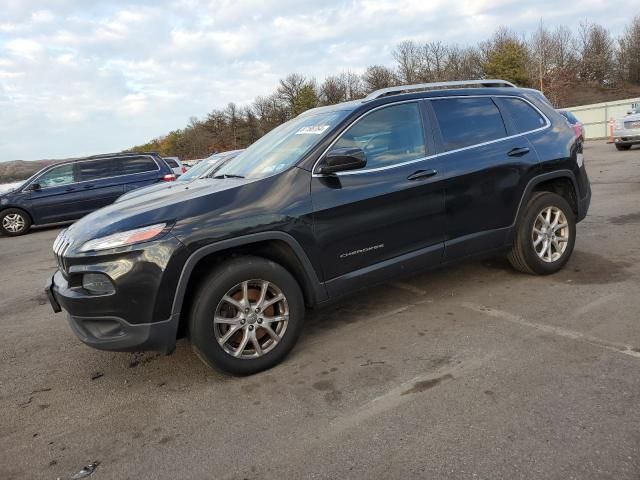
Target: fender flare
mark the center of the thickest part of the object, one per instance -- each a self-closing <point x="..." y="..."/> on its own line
<point x="318" y="291"/>
<point x="538" y="179"/>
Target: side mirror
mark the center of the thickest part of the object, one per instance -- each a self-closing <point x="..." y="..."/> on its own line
<point x="35" y="187"/>
<point x="342" y="159"/>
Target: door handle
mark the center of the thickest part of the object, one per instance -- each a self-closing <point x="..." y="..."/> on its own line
<point x="88" y="187"/>
<point x="69" y="189"/>
<point x="518" y="152"/>
<point x="422" y="174"/>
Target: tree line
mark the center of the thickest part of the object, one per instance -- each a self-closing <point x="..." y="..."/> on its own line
<point x="552" y="60"/>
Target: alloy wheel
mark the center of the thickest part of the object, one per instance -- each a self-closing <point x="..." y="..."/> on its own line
<point x="251" y="319"/>
<point x="550" y="234"/>
<point x="13" y="223"/>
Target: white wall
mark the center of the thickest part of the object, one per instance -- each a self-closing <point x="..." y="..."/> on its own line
<point x="596" y="117"/>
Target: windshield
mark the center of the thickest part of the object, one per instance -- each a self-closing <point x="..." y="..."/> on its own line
<point x="198" y="169"/>
<point x="282" y="147"/>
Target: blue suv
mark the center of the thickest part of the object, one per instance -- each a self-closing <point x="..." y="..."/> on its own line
<point x="67" y="191"/>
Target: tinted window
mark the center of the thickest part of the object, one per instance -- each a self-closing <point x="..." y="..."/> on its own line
<point x="62" y="175"/>
<point x="171" y="162"/>
<point x="95" y="169"/>
<point x="525" y="117"/>
<point x="468" y="121"/>
<point x="387" y="136"/>
<point x="130" y="165"/>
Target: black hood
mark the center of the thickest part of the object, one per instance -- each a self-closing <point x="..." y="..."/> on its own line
<point x="161" y="205"/>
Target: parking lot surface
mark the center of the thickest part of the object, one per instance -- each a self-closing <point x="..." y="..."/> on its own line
<point x="473" y="372"/>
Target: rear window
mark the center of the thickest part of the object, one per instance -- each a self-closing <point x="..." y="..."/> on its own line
<point x="172" y="163"/>
<point x="468" y="121"/>
<point x="128" y="165"/>
<point x="525" y="117"/>
<point x="95" y="169"/>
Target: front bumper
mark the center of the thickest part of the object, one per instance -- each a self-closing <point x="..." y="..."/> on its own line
<point x="109" y="332"/>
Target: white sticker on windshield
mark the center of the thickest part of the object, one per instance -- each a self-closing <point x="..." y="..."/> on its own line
<point x="312" y="130"/>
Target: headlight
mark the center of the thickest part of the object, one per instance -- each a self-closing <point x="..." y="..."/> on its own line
<point x="618" y="124"/>
<point x="124" y="238"/>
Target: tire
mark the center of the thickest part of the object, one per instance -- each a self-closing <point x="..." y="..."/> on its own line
<point x="623" y="147"/>
<point x="539" y="259"/>
<point x="212" y="317"/>
<point x="14" y="222"/>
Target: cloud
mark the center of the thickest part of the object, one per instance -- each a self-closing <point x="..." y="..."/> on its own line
<point x="87" y="77"/>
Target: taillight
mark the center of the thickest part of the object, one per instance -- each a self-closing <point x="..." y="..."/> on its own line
<point x="170" y="177"/>
<point x="578" y="130"/>
<point x="184" y="169"/>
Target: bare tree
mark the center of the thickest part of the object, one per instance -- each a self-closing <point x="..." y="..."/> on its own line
<point x="596" y="55"/>
<point x="628" y="54"/>
<point x="407" y="55"/>
<point x="377" y="77"/>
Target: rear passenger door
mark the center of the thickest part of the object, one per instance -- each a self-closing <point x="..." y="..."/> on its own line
<point x="99" y="181"/>
<point x="485" y="160"/>
<point x="138" y="171"/>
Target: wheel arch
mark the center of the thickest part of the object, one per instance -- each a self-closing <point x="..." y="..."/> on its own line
<point x="279" y="247"/>
<point x="562" y="182"/>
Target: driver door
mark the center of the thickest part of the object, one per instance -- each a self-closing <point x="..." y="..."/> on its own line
<point x="387" y="217"/>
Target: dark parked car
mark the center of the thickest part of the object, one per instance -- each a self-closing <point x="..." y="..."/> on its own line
<point x="333" y="201"/>
<point x="67" y="191"/>
<point x="577" y="125"/>
<point x="203" y="169"/>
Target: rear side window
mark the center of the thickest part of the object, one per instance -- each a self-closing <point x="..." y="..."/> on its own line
<point x="129" y="165"/>
<point x="171" y="162"/>
<point x="525" y="117"/>
<point x="388" y="136"/>
<point x="95" y="169"/>
<point x="468" y="121"/>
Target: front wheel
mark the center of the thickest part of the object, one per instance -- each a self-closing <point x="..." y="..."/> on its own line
<point x="247" y="316"/>
<point x="545" y="236"/>
<point x="14" y="222"/>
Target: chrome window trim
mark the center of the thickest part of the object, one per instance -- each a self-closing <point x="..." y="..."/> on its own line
<point x="72" y="162"/>
<point x="435" y="155"/>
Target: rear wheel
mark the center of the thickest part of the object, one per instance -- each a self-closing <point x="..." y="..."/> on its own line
<point x="14" y="222"/>
<point x="623" y="147"/>
<point x="247" y="316"/>
<point x="545" y="235"/>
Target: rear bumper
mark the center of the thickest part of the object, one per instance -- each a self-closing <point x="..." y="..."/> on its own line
<point x="626" y="139"/>
<point x="109" y="332"/>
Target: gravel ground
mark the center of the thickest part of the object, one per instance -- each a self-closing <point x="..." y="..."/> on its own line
<point x="470" y="372"/>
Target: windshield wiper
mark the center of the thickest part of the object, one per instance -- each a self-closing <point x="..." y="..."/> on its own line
<point x="228" y="175"/>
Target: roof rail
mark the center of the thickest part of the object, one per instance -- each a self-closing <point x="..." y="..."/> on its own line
<point x="384" y="92"/>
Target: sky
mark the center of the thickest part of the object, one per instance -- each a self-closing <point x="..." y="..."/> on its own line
<point x="80" y="77"/>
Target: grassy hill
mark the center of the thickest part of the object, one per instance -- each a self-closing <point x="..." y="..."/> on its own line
<point x="17" y="170"/>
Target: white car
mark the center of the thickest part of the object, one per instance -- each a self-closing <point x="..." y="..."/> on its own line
<point x="626" y="131"/>
<point x="176" y="165"/>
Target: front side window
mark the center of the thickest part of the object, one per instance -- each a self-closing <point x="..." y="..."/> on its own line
<point x="468" y="121"/>
<point x="95" y="169"/>
<point x="524" y="115"/>
<point x="388" y="136"/>
<point x="58" y="176"/>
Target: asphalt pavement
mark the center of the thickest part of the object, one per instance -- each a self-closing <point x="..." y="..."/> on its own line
<point x="471" y="372"/>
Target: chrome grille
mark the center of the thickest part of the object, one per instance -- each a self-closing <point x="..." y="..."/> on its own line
<point x="60" y="247"/>
<point x="632" y="124"/>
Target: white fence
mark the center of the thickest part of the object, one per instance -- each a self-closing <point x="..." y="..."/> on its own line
<point x="596" y="117"/>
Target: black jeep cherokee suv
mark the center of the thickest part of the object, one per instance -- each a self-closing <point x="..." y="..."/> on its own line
<point x="333" y="201"/>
